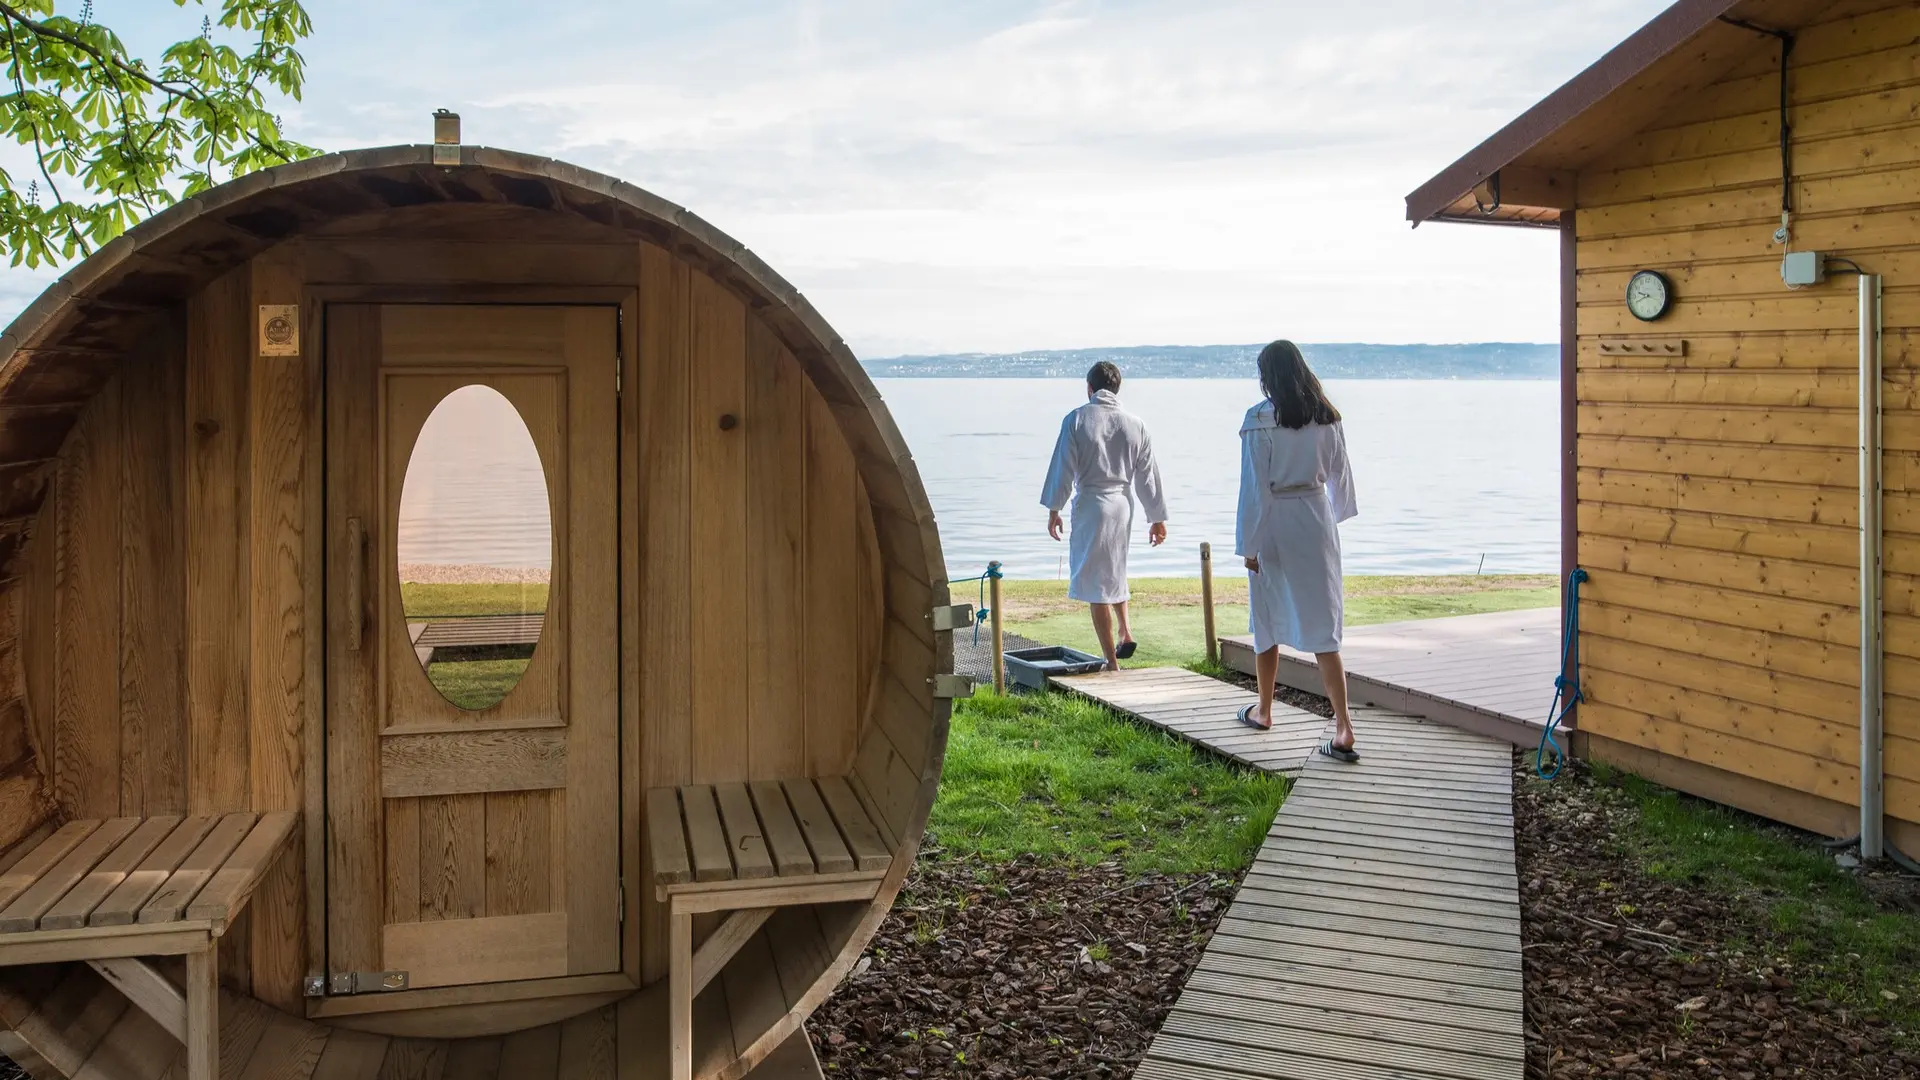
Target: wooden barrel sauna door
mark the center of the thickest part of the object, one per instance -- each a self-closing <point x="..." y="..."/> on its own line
<point x="472" y="690"/>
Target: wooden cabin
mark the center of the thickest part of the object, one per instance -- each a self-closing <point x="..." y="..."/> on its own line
<point x="715" y="726"/>
<point x="1713" y="443"/>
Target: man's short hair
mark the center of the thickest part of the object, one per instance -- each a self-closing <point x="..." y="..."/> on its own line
<point x="1104" y="375"/>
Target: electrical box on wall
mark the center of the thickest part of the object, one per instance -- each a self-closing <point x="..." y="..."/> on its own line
<point x="1803" y="268"/>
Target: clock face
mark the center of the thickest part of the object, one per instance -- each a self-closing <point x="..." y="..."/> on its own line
<point x="1648" y="295"/>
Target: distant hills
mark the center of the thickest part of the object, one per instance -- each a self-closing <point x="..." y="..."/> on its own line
<point x="1488" y="360"/>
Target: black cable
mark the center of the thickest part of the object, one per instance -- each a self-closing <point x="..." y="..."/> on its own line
<point x="1851" y="267"/>
<point x="1786" y="131"/>
<point x="1902" y="861"/>
<point x="1493" y="188"/>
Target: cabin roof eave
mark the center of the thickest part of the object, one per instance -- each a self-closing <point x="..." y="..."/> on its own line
<point x="1682" y="49"/>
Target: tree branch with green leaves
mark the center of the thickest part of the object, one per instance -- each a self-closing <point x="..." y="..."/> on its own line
<point x="115" y="138"/>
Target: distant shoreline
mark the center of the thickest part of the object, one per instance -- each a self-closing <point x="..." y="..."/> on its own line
<point x="1471" y="361"/>
<point x="471" y="574"/>
<point x="874" y="373"/>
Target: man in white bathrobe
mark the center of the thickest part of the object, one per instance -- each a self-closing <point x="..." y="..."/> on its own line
<point x="1102" y="459"/>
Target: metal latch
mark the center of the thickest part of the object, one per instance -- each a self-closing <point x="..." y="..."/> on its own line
<point x="952" y="686"/>
<point x="446" y="138"/>
<point x="363" y="982"/>
<point x="953" y="617"/>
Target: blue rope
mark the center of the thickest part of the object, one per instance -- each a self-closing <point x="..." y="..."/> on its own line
<point x="1566" y="685"/>
<point x="981" y="611"/>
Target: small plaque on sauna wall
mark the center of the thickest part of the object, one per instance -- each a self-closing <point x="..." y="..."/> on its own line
<point x="279" y="329"/>
<point x="1662" y="347"/>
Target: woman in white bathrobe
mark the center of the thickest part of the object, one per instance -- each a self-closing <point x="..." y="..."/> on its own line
<point x="1103" y="451"/>
<point x="1295" y="489"/>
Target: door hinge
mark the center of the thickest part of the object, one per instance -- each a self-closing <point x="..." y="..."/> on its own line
<point x="344" y="983"/>
<point x="952" y="617"/>
<point x="952" y="686"/>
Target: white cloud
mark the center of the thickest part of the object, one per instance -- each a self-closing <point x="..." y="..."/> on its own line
<point x="1002" y="174"/>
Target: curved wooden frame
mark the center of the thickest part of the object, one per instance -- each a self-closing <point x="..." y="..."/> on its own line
<point x="66" y="346"/>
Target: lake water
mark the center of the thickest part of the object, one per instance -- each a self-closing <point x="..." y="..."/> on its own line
<point x="1447" y="472"/>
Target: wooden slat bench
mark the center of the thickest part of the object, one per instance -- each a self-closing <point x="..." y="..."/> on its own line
<point x="476" y="632"/>
<point x="109" y="892"/>
<point x="747" y="849"/>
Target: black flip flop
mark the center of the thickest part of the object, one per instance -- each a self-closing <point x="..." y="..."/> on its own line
<point x="1125" y="651"/>
<point x="1245" y="716"/>
<point x="1338" y="753"/>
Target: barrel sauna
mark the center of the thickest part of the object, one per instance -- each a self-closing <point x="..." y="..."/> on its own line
<point x="240" y="593"/>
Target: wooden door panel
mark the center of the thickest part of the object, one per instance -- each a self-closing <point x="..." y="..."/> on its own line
<point x="520" y="852"/>
<point x="453" y="857"/>
<point x="481" y="844"/>
<point x="499" y="949"/>
<point x="477" y="763"/>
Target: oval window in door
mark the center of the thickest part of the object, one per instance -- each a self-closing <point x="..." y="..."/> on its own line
<point x="475" y="547"/>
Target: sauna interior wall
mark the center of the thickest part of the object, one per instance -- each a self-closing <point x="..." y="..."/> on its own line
<point x="169" y="593"/>
<point x="1718" y="491"/>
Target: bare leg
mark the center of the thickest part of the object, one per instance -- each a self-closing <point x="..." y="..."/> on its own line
<point x="1120" y="613"/>
<point x="1334" y="674"/>
<point x="1103" y="629"/>
<point x="1266" y="669"/>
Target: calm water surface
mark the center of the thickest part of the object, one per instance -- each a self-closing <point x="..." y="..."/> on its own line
<point x="1447" y="472"/>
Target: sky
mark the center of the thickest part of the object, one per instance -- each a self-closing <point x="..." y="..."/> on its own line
<point x="1000" y="175"/>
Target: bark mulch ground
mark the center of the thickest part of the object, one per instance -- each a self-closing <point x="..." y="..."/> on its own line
<point x="1019" y="970"/>
<point x="1628" y="975"/>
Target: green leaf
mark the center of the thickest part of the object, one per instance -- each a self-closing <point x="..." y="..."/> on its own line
<point x="114" y="137"/>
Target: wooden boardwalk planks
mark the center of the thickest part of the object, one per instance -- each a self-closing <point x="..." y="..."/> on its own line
<point x="1377" y="935"/>
<point x="1491" y="674"/>
<point x="1202" y="710"/>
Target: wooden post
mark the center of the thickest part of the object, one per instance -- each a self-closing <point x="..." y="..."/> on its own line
<point x="680" y="995"/>
<point x="203" y="1013"/>
<point x="999" y="643"/>
<point x="1206" y="601"/>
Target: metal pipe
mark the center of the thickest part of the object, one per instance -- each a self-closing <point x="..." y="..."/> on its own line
<point x="1569" y="416"/>
<point x="1872" y="842"/>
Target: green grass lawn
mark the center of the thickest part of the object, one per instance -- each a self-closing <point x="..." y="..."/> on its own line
<point x="1169" y="623"/>
<point x="1060" y="777"/>
<point x="1858" y="953"/>
<point x="425" y="603"/>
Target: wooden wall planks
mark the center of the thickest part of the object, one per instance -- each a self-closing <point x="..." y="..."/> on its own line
<point x="1717" y="503"/>
<point x="87" y="745"/>
<point x="153" y="583"/>
<point x="831" y="663"/>
<point x="218" y="553"/>
<point x="776" y="533"/>
<point x="285" y="659"/>
<point x="719" y="564"/>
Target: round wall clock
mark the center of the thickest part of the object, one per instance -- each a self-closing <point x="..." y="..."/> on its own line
<point x="1649" y="295"/>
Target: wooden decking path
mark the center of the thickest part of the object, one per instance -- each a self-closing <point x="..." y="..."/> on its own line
<point x="1491" y="674"/>
<point x="1202" y="710"/>
<point x="1377" y="935"/>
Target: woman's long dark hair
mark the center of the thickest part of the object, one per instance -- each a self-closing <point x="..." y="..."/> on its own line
<point x="1295" y="391"/>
